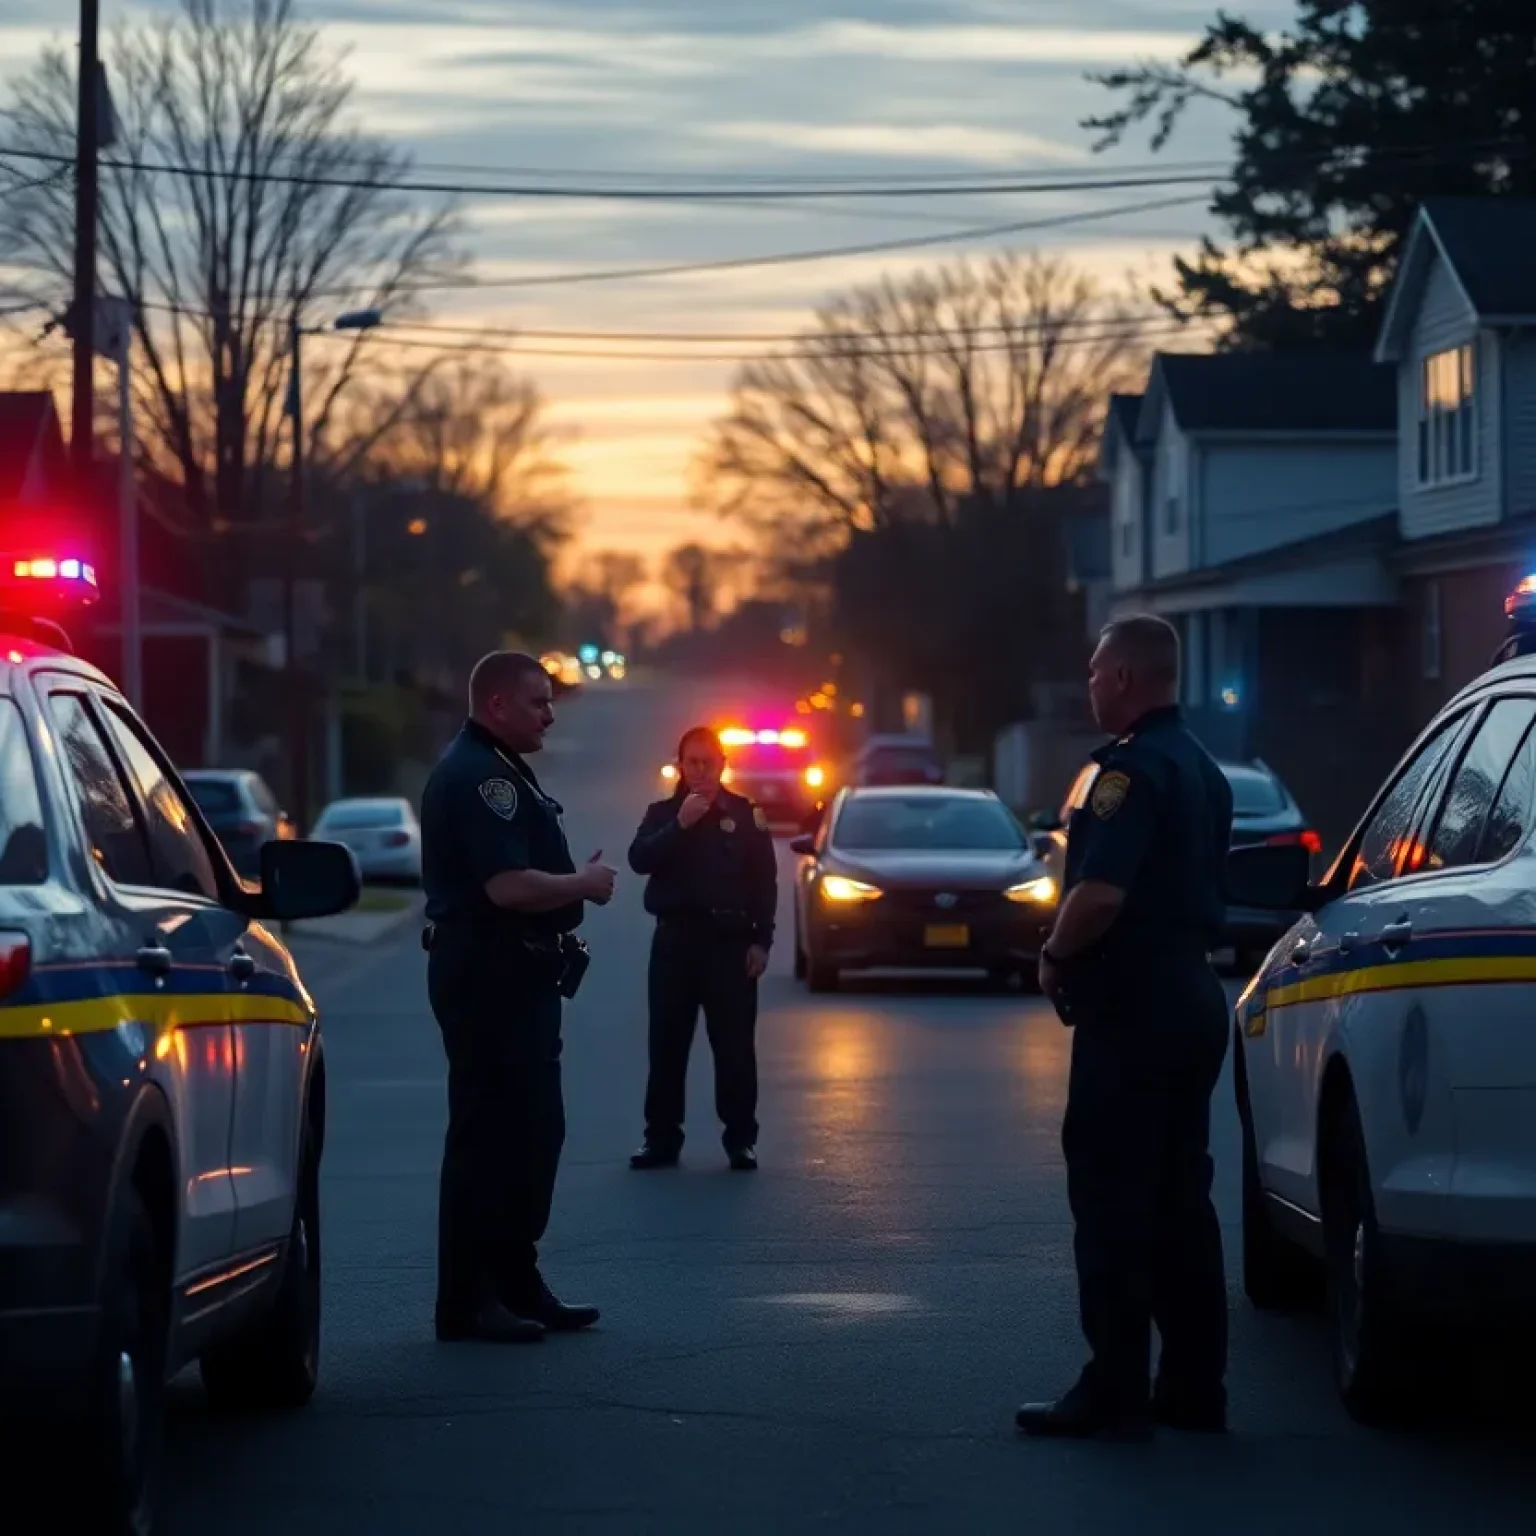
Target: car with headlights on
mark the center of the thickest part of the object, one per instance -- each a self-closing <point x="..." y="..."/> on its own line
<point x="919" y="877"/>
<point x="775" y="767"/>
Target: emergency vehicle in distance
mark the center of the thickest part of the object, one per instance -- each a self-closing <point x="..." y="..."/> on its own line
<point x="162" y="1080"/>
<point x="1385" y="1060"/>
<point x="773" y="766"/>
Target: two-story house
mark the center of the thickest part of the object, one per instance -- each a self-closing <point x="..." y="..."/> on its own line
<point x="1253" y="505"/>
<point x="1460" y="330"/>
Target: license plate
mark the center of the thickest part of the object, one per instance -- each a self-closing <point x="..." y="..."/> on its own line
<point x="947" y="936"/>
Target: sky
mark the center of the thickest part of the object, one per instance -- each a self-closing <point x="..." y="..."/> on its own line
<point x="733" y="92"/>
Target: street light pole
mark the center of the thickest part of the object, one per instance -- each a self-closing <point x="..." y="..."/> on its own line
<point x="87" y="137"/>
<point x="298" y="702"/>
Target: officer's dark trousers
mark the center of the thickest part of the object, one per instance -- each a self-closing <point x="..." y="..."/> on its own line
<point x="506" y="1125"/>
<point x="1137" y="1143"/>
<point x="695" y="968"/>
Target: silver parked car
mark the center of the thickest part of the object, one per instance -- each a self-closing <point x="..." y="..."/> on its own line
<point x="383" y="834"/>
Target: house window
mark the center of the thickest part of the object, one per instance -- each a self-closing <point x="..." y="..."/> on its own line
<point x="1448" y="417"/>
<point x="1431" y="630"/>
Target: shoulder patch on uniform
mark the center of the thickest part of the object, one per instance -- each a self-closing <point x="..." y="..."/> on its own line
<point x="1108" y="796"/>
<point x="501" y="796"/>
<point x="759" y="820"/>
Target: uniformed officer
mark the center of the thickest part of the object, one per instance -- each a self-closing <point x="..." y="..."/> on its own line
<point x="713" y="890"/>
<point x="1128" y="965"/>
<point x="503" y="900"/>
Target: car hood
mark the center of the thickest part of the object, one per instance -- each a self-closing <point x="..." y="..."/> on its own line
<point x="963" y="869"/>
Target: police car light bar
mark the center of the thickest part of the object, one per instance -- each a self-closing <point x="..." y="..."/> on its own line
<point x="735" y="736"/>
<point x="1522" y="598"/>
<point x="47" y="573"/>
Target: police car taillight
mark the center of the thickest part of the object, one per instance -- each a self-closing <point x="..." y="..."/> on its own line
<point x="15" y="962"/>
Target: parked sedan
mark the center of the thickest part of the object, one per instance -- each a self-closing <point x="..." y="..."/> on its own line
<point x="1263" y="811"/>
<point x="898" y="760"/>
<point x="383" y="834"/>
<point x="242" y="810"/>
<point x="919" y="877"/>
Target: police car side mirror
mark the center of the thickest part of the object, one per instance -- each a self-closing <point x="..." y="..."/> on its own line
<point x="302" y="878"/>
<point x="804" y="845"/>
<point x="1045" y="822"/>
<point x="1272" y="878"/>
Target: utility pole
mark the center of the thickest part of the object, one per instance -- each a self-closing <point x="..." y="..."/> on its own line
<point x="87" y="139"/>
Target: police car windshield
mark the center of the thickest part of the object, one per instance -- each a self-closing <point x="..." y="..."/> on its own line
<point x="871" y="824"/>
<point x="1253" y="793"/>
<point x="763" y="757"/>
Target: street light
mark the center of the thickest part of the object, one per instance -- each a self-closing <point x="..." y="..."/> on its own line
<point x="298" y="703"/>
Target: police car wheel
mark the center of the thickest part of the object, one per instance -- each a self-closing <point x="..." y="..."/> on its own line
<point x="1277" y="1275"/>
<point x="275" y="1363"/>
<point x="125" y="1419"/>
<point x="1369" y="1343"/>
<point x="820" y="976"/>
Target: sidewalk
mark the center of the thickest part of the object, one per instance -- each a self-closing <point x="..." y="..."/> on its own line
<point x="378" y="914"/>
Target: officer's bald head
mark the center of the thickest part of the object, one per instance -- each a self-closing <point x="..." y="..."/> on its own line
<point x="1135" y="669"/>
<point x="511" y="695"/>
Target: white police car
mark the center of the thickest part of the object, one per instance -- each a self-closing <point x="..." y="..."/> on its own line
<point x="1385" y="1062"/>
<point x="162" y="1086"/>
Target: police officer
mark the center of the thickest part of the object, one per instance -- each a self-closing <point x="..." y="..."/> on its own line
<point x="503" y="899"/>
<point x="1128" y="966"/>
<point x="713" y="890"/>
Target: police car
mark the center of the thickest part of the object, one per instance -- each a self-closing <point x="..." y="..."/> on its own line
<point x="772" y="766"/>
<point x="162" y="1083"/>
<point x="1385" y="1062"/>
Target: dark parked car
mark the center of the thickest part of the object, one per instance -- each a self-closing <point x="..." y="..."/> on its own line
<point x="1263" y="811"/>
<point x="243" y="812"/>
<point x="897" y="760"/>
<point x="916" y="877"/>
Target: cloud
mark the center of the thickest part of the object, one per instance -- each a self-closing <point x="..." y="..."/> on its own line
<point x="960" y="142"/>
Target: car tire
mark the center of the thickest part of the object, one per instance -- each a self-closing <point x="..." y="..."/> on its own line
<point x="274" y="1363"/>
<point x="820" y="976"/>
<point x="1370" y="1346"/>
<point x="114" y="1461"/>
<point x="800" y="961"/>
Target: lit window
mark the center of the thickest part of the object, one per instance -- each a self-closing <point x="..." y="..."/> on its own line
<point x="1447" y="441"/>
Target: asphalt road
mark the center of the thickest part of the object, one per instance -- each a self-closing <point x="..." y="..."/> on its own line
<point x="835" y="1343"/>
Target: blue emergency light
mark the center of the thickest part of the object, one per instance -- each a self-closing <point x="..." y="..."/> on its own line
<point x="36" y="589"/>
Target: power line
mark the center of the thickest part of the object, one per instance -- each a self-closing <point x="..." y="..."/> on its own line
<point x="974" y="232"/>
<point x="823" y="354"/>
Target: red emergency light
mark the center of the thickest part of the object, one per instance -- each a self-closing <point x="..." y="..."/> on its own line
<point x="57" y="578"/>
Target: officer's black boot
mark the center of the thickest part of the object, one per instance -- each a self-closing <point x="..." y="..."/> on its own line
<point x="743" y="1159"/>
<point x="651" y="1156"/>
<point x="489" y="1323"/>
<point x="535" y="1301"/>
<point x="1085" y="1414"/>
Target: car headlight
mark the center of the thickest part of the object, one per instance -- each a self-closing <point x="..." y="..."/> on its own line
<point x="1040" y="892"/>
<point x="815" y="776"/>
<point x="841" y="888"/>
<point x="669" y="771"/>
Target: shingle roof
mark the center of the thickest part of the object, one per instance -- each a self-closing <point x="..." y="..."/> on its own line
<point x="1278" y="392"/>
<point x="1489" y="242"/>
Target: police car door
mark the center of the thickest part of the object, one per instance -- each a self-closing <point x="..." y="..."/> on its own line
<point x="1301" y="1011"/>
<point x="265" y="1015"/>
<point x="1449" y="1029"/>
<point x="164" y="933"/>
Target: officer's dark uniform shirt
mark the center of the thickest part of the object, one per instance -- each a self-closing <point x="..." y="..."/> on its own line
<point x="722" y="867"/>
<point x="1157" y="825"/>
<point x="482" y="814"/>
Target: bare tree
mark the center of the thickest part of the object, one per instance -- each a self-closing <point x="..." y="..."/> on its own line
<point x="236" y="201"/>
<point x="705" y="580"/>
<point x="912" y="397"/>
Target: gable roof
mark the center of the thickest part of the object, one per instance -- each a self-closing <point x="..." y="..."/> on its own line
<point x="1119" y="428"/>
<point x="1486" y="242"/>
<point x="1263" y="392"/>
<point x="31" y="446"/>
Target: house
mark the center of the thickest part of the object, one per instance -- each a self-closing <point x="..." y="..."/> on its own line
<point x="33" y="466"/>
<point x="1460" y="330"/>
<point x="1254" y="499"/>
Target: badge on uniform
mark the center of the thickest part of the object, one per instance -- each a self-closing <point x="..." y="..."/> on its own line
<point x="727" y="824"/>
<point x="501" y="796"/>
<point x="759" y="820"/>
<point x="1108" y="794"/>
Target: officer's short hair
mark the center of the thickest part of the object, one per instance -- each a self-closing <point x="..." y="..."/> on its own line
<point x="500" y="672"/>
<point x="1149" y="645"/>
<point x="703" y="733"/>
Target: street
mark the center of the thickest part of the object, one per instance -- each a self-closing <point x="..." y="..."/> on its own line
<point x="838" y="1342"/>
